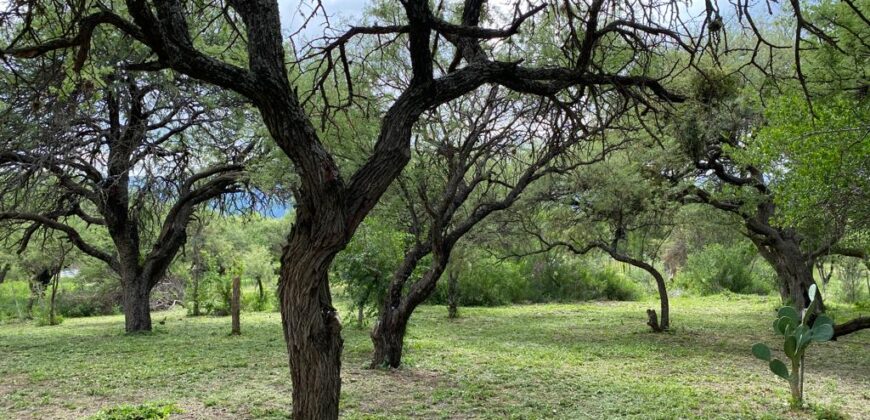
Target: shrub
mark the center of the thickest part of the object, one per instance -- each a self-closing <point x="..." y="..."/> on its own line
<point x="487" y="281"/>
<point x="147" y="411"/>
<point x="719" y="268"/>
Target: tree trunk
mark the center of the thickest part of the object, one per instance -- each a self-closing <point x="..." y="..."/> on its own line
<point x="312" y="330"/>
<point x="794" y="271"/>
<point x="389" y="333"/>
<point x="195" y="297"/>
<point x="262" y="293"/>
<point x="388" y="337"/>
<point x="137" y="305"/>
<point x="4" y="271"/>
<point x="52" y="318"/>
<point x="236" y="305"/>
<point x="665" y="322"/>
<point x="452" y="294"/>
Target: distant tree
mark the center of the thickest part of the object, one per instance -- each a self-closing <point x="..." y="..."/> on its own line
<point x="475" y="159"/>
<point x="610" y="208"/>
<point x="135" y="156"/>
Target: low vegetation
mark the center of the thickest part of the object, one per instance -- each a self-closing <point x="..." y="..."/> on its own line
<point x="528" y="361"/>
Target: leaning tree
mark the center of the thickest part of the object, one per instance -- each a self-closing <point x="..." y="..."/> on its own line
<point x="574" y="39"/>
<point x="129" y="153"/>
<point x="608" y="208"/>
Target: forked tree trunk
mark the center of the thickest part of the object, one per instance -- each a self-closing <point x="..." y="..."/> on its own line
<point x="137" y="305"/>
<point x="236" y="305"/>
<point x="388" y="337"/>
<point x="794" y="271"/>
<point x="312" y="330"/>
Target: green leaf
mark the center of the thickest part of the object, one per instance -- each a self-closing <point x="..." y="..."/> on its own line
<point x="790" y="346"/>
<point x="789" y="312"/>
<point x="784" y="325"/>
<point x="823" y="332"/>
<point x="778" y="367"/>
<point x="761" y="351"/>
<point x="812" y="292"/>
<point x="823" y="320"/>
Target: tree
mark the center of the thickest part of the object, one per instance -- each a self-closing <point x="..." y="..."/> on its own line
<point x="135" y="156"/>
<point x="726" y="140"/>
<point x="610" y="208"/>
<point x="473" y="160"/>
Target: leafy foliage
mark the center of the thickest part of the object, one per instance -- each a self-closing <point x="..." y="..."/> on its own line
<point x="148" y="411"/>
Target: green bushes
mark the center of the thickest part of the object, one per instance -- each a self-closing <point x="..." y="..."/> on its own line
<point x="215" y="292"/>
<point x="719" y="268"/>
<point x="488" y="281"/>
<point x="73" y="300"/>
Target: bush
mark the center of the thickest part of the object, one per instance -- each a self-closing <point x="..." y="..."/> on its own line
<point x="13" y="300"/>
<point x="719" y="268"/>
<point x="487" y="281"/>
<point x="102" y="300"/>
<point x="148" y="411"/>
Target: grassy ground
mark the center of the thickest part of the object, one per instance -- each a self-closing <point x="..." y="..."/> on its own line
<point x="571" y="361"/>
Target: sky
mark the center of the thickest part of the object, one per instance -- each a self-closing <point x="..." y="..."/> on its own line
<point x="338" y="10"/>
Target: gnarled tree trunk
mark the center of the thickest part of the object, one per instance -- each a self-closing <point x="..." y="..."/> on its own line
<point x="794" y="269"/>
<point x="312" y="330"/>
<point x="388" y="337"/>
<point x="137" y="305"/>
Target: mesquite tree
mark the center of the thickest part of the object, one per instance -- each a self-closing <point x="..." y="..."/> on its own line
<point x="474" y="159"/>
<point x="135" y="157"/>
<point x="609" y="208"/>
<point x="714" y="137"/>
<point x="573" y="57"/>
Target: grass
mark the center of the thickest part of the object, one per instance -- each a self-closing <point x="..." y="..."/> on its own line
<point x="594" y="360"/>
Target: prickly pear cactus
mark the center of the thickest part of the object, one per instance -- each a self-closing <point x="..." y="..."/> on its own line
<point x="798" y="331"/>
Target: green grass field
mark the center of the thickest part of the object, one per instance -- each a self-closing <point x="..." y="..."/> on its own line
<point x="594" y="360"/>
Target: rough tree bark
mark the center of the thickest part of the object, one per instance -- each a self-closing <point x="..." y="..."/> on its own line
<point x="312" y="330"/>
<point x="388" y="334"/>
<point x="793" y="267"/>
<point x="137" y="305"/>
